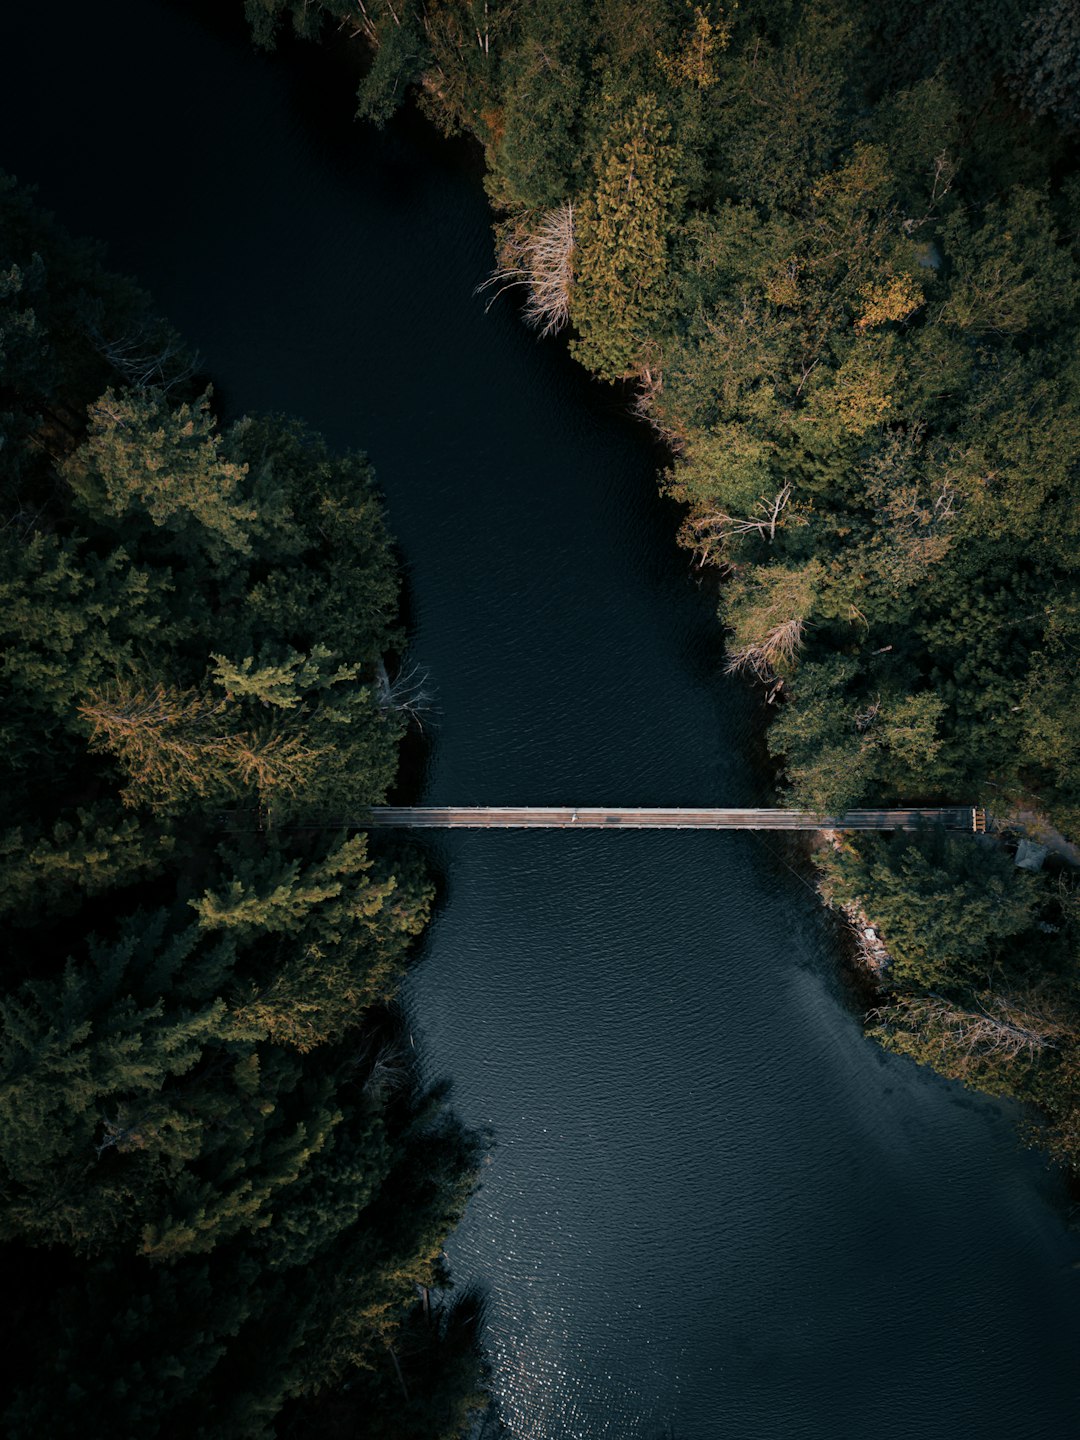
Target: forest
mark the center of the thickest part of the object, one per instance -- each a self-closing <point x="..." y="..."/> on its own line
<point x="830" y="252"/>
<point x="214" y="1154"/>
<point x="829" y="249"/>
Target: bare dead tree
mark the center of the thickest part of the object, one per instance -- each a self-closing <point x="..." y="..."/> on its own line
<point x="707" y="535"/>
<point x="767" y="517"/>
<point x="539" y="256"/>
<point x="407" y="692"/>
<point x="865" y="718"/>
<point x="389" y="1072"/>
<point x="712" y="531"/>
<point x="944" y="502"/>
<point x="650" y="384"/>
<point x="150" y="355"/>
<point x="869" y="945"/>
<point x="910" y="512"/>
<point x="941" y="183"/>
<point x="364" y="25"/>
<point x="1006" y="1027"/>
<point x="780" y="645"/>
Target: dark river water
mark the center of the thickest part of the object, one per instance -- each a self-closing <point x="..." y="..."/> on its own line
<point x="712" y="1209"/>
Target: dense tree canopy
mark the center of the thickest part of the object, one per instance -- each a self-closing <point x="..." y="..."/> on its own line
<point x="213" y="1156"/>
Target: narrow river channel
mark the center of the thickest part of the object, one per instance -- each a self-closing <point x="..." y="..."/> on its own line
<point x="712" y="1209"/>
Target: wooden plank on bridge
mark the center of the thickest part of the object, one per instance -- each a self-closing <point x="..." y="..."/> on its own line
<point x="528" y="817"/>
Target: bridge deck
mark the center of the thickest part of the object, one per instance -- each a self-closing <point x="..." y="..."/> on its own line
<point x="959" y="817"/>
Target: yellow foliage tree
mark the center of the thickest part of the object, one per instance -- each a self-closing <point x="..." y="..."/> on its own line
<point x="695" y="62"/>
<point x="620" y="259"/>
<point x="177" y="745"/>
<point x="888" y="298"/>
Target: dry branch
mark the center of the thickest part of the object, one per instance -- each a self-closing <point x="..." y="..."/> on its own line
<point x="709" y="533"/>
<point x="1003" y="1026"/>
<point x="541" y="258"/>
<point x="780" y="645"/>
<point x="407" y="692"/>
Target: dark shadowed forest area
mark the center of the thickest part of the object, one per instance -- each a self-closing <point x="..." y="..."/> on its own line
<point x="215" y="1157"/>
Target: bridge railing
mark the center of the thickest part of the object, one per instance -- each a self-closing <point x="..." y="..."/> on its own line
<point x="959" y="817"/>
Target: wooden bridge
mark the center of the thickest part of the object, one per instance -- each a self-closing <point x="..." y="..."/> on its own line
<point x="529" y="817"/>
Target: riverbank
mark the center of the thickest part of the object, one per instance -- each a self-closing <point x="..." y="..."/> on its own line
<point x="845" y="469"/>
